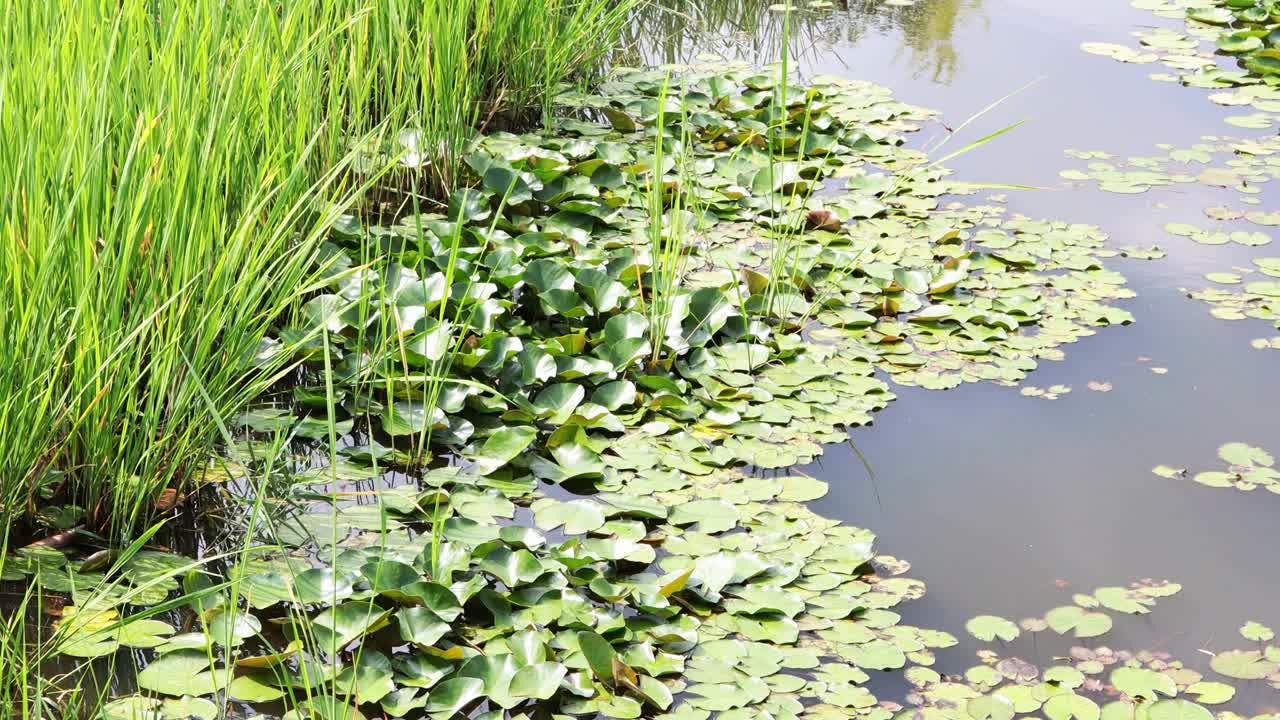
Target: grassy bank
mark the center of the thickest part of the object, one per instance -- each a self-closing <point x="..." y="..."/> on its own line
<point x="170" y="170"/>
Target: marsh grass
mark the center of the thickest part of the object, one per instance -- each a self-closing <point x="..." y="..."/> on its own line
<point x="467" y="64"/>
<point x="167" y="174"/>
<point x="170" y="170"/>
<point x="786" y="269"/>
<point x="17" y="634"/>
<point x="36" y="680"/>
<point x="675" y="215"/>
<point x="671" y="223"/>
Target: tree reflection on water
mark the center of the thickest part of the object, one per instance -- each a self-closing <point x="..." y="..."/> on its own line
<point x="678" y="31"/>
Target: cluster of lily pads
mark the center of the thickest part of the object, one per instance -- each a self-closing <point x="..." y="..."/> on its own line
<point x="719" y="595"/>
<point x="1248" y="30"/>
<point x="722" y="590"/>
<point x="1181" y="52"/>
<point x="1084" y="618"/>
<point x="474" y="609"/>
<point x="1245" y="29"/>
<point x="1257" y="298"/>
<point x="1053" y="392"/>
<point x="535" y="301"/>
<point x="531" y="332"/>
<point x="1089" y="683"/>
<point x="1249" y="468"/>
<point x="1244" y="166"/>
<point x="1094" y="682"/>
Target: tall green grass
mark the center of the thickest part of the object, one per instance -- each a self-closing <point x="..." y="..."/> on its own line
<point x="466" y="64"/>
<point x="163" y="164"/>
<point x="169" y="170"/>
<point x="669" y="222"/>
<point x="19" y="696"/>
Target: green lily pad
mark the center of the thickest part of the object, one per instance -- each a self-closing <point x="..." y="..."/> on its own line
<point x="181" y="673"/>
<point x="1257" y="632"/>
<point x="1244" y="664"/>
<point x="1178" y="710"/>
<point x="1074" y="619"/>
<point x="989" y="627"/>
<point x="577" y="516"/>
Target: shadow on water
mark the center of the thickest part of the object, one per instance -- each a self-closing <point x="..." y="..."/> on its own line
<point x="1006" y="504"/>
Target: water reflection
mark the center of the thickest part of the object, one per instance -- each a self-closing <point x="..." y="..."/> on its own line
<point x="928" y="38"/>
<point x="677" y="31"/>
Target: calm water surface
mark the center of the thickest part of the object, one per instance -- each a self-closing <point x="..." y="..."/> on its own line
<point x="993" y="497"/>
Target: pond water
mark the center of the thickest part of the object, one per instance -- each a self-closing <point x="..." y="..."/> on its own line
<point x="998" y="500"/>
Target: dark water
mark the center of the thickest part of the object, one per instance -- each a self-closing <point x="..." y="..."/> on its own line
<point x="993" y="496"/>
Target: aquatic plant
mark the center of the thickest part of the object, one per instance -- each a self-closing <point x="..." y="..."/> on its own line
<point x="155" y="227"/>
<point x="714" y="596"/>
<point x="1090" y="682"/>
<point x="1243" y="29"/>
<point x="1250" y="32"/>
<point x="560" y="225"/>
<point x="511" y="332"/>
<point x="1257" y="298"/>
<point x="168" y="213"/>
<point x="1247" y="30"/>
<point x="523" y="305"/>
<point x="1248" y="468"/>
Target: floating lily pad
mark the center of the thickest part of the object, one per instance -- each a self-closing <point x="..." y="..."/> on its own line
<point x="990" y="627"/>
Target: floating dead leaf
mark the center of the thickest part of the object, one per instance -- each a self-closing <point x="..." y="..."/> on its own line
<point x="168" y="499"/>
<point x="57" y="540"/>
<point x="824" y="220"/>
<point x="1033" y="624"/>
<point x="1018" y="670"/>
